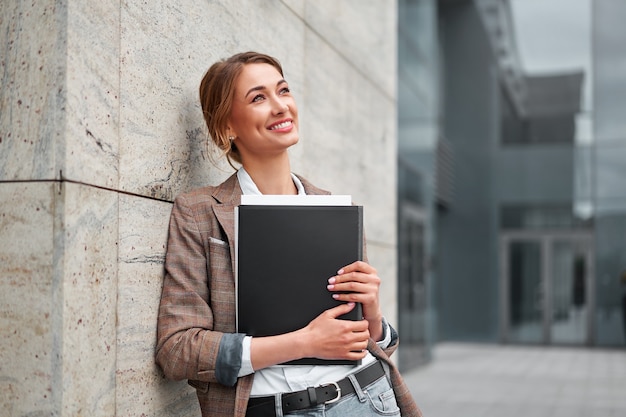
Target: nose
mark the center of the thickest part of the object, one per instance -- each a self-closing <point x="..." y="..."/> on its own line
<point x="280" y="105"/>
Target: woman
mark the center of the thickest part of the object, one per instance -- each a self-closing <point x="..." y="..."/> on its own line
<point x="252" y="117"/>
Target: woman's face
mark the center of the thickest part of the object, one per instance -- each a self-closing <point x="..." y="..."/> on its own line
<point x="264" y="115"/>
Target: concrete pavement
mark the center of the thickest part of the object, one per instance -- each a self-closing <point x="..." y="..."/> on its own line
<point x="474" y="380"/>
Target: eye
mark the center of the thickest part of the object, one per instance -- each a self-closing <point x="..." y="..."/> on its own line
<point x="257" y="98"/>
<point x="284" y="90"/>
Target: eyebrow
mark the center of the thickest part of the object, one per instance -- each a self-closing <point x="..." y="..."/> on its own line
<point x="262" y="87"/>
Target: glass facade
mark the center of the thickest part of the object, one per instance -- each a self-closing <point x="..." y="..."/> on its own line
<point x="418" y="133"/>
<point x="512" y="159"/>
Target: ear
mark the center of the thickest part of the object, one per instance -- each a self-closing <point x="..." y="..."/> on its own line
<point x="229" y="130"/>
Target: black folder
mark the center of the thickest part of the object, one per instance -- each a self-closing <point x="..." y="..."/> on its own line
<point x="285" y="256"/>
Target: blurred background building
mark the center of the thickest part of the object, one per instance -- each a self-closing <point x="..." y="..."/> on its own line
<point x="511" y="167"/>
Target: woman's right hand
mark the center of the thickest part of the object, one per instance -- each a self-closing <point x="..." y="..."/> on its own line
<point x="328" y="337"/>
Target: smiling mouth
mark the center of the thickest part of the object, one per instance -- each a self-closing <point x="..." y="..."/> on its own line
<point x="281" y="125"/>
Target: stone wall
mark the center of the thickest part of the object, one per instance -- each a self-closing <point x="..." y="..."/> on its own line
<point x="100" y="129"/>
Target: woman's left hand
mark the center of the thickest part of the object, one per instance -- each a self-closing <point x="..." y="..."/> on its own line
<point x="361" y="283"/>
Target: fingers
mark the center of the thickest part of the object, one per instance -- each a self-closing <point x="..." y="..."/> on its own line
<point x="359" y="283"/>
<point x="350" y="343"/>
<point x="353" y="327"/>
<point x="357" y="266"/>
<point x="356" y="272"/>
<point x="340" y="310"/>
<point x="356" y="282"/>
<point x="332" y="338"/>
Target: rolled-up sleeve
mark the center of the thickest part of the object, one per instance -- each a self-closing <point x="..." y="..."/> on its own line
<point x="229" y="358"/>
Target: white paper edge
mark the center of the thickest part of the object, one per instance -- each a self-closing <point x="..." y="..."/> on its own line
<point x="296" y="200"/>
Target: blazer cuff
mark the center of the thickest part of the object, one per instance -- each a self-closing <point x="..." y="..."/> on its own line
<point x="229" y="358"/>
<point x="393" y="334"/>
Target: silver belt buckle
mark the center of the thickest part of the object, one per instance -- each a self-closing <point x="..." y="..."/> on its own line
<point x="338" y="392"/>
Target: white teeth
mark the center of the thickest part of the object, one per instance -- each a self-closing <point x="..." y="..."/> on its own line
<point x="280" y="125"/>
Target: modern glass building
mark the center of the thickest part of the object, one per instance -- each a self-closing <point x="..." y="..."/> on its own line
<point x="511" y="177"/>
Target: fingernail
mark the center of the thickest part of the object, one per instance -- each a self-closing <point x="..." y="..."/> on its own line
<point x="340" y="271"/>
<point x="331" y="280"/>
<point x="330" y="287"/>
<point x="335" y="296"/>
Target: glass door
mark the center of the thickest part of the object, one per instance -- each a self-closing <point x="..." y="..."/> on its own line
<point x="547" y="288"/>
<point x="569" y="278"/>
<point x="525" y="292"/>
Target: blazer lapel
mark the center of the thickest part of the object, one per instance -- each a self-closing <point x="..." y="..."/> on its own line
<point x="228" y="195"/>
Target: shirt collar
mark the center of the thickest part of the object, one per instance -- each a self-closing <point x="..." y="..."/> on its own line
<point x="249" y="187"/>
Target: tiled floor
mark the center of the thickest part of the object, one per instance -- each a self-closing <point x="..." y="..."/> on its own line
<point x="471" y="380"/>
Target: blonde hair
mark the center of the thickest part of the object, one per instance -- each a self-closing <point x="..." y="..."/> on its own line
<point x="217" y="90"/>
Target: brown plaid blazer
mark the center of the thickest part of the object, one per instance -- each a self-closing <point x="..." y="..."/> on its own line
<point x="198" y="301"/>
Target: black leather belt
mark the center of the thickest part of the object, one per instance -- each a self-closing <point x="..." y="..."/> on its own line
<point x="313" y="396"/>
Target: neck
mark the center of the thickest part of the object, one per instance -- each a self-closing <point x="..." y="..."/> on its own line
<point x="272" y="175"/>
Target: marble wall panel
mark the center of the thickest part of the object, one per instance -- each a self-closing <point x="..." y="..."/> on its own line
<point x="141" y="386"/>
<point x="91" y="140"/>
<point x="297" y="6"/>
<point x="32" y="87"/>
<point x="87" y="248"/>
<point x="364" y="34"/>
<point x="166" y="49"/>
<point x="29" y="294"/>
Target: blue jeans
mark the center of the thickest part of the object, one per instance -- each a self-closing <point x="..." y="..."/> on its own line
<point x="377" y="399"/>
